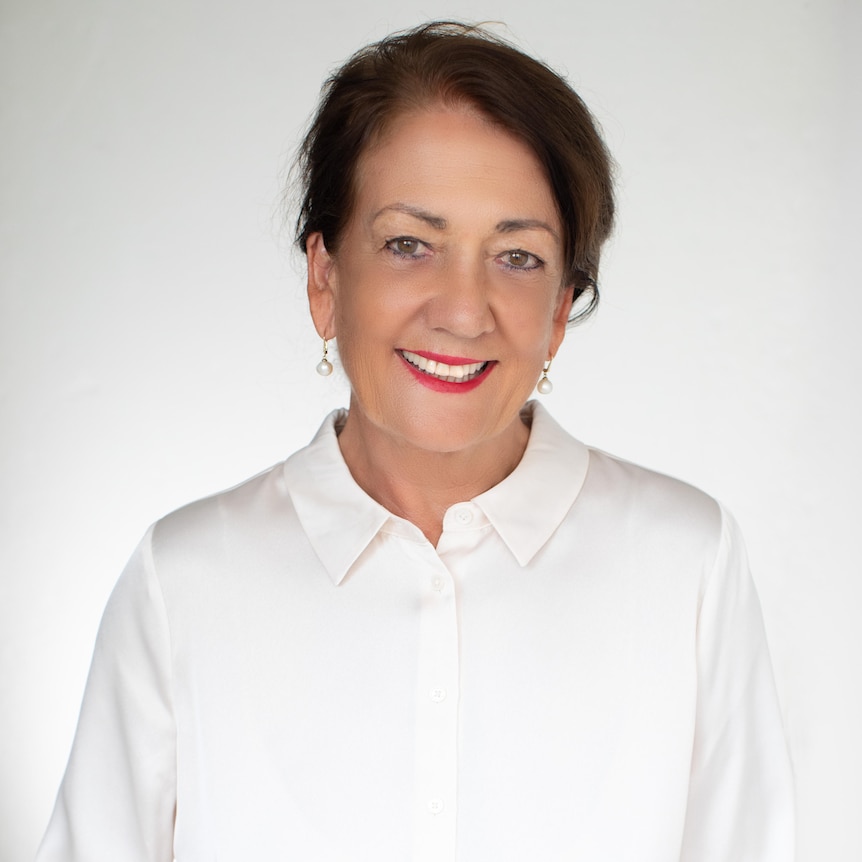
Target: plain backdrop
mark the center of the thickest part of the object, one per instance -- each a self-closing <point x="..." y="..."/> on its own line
<point x="156" y="345"/>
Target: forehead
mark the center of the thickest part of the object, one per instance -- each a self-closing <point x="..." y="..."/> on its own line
<point x="454" y="160"/>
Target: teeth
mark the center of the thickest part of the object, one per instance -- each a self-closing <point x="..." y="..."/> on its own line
<point x="452" y="373"/>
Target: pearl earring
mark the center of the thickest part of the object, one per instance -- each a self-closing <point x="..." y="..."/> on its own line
<point x="544" y="386"/>
<point x="324" y="367"/>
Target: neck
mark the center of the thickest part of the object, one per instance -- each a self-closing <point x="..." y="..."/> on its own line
<point x="420" y="484"/>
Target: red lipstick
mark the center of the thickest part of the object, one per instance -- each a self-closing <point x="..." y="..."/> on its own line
<point x="437" y="384"/>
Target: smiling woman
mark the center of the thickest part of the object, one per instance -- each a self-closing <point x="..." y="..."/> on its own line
<point x="445" y="630"/>
<point x="448" y="281"/>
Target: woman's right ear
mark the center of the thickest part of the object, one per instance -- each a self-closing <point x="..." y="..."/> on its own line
<point x="322" y="284"/>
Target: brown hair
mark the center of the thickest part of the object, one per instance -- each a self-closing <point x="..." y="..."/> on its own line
<point x="459" y="63"/>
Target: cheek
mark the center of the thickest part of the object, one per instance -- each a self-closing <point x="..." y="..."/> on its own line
<point x="535" y="323"/>
<point x="374" y="309"/>
<point x="363" y="338"/>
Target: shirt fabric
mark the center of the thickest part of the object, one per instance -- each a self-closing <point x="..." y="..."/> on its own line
<point x="578" y="671"/>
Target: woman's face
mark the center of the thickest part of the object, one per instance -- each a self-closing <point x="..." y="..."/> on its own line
<point x="445" y="293"/>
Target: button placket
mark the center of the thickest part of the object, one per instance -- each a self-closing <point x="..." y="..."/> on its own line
<point x="436" y="731"/>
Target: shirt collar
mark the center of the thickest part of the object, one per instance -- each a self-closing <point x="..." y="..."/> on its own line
<point x="530" y="503"/>
<point x="338" y="517"/>
<point x="341" y="520"/>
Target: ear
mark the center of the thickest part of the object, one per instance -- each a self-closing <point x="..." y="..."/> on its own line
<point x="321" y="285"/>
<point x="561" y="318"/>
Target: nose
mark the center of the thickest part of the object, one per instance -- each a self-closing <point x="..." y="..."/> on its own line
<point x="461" y="302"/>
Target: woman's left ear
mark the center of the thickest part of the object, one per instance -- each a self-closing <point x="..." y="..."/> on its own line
<point x="322" y="284"/>
<point x="561" y="317"/>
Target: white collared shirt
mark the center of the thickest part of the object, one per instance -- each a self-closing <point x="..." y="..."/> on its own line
<point x="578" y="671"/>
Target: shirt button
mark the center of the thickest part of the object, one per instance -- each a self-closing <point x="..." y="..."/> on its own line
<point x="437" y="583"/>
<point x="438" y="695"/>
<point x="463" y="516"/>
<point x="435" y="806"/>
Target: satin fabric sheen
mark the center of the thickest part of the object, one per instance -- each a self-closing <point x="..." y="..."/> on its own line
<point x="578" y="671"/>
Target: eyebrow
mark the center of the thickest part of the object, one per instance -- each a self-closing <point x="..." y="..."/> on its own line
<point x="512" y="225"/>
<point x="437" y="222"/>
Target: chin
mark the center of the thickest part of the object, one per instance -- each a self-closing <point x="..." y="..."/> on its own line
<point x="452" y="429"/>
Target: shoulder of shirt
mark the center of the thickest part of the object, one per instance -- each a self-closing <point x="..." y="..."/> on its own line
<point x="667" y="502"/>
<point x="254" y="501"/>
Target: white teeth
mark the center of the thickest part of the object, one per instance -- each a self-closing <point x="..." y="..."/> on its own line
<point x="452" y="373"/>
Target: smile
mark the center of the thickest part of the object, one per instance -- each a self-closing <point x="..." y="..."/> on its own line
<point x="446" y="374"/>
<point x="451" y="373"/>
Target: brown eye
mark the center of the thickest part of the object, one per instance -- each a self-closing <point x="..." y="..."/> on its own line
<point x="405" y="246"/>
<point x="519" y="259"/>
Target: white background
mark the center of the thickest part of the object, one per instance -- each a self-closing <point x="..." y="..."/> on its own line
<point x="156" y="346"/>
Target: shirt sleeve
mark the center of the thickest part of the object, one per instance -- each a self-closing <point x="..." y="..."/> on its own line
<point x="118" y="796"/>
<point x="740" y="804"/>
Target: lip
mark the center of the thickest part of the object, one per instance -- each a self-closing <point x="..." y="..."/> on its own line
<point x="438" y="385"/>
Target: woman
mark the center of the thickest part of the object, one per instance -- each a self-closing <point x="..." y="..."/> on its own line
<point x="445" y="629"/>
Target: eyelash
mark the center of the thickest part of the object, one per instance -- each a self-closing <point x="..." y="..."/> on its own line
<point x="538" y="263"/>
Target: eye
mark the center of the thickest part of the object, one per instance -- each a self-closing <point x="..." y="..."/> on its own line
<point x="519" y="259"/>
<point x="406" y="246"/>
